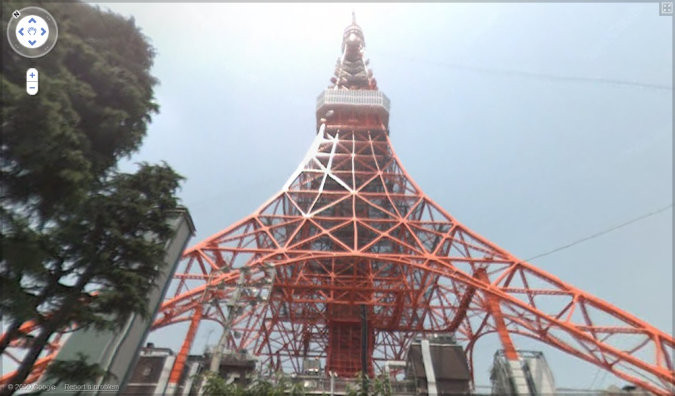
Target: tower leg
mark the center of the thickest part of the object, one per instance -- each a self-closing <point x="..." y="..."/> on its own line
<point x="349" y="344"/>
<point x="515" y="367"/>
<point x="179" y="364"/>
<point x="496" y="312"/>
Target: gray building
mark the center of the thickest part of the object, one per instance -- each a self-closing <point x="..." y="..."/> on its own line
<point x="438" y="366"/>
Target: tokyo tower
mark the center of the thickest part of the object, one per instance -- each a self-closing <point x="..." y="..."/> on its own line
<point x="351" y="261"/>
<point x="351" y="258"/>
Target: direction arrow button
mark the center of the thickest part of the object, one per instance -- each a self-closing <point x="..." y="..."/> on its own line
<point x="34" y="33"/>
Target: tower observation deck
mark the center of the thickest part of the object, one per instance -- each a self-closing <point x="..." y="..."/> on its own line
<point x="354" y="95"/>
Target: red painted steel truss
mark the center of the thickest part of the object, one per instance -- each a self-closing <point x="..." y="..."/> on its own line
<point x="352" y="228"/>
<point x="352" y="234"/>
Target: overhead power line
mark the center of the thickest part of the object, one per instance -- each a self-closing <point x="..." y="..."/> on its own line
<point x="540" y="76"/>
<point x="603" y="232"/>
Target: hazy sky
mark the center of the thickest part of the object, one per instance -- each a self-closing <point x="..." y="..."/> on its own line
<point x="516" y="118"/>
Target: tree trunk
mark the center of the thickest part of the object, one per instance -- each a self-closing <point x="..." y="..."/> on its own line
<point x="53" y="323"/>
<point x="13" y="330"/>
<point x="26" y="366"/>
<point x="11" y="333"/>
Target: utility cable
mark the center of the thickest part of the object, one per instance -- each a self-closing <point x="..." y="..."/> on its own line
<point x="541" y="76"/>
<point x="603" y="232"/>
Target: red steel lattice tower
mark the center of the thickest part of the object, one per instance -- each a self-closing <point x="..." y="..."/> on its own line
<point x="351" y="260"/>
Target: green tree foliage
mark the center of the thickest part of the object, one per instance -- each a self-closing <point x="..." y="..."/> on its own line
<point x="382" y="385"/>
<point x="96" y="97"/>
<point x="378" y="386"/>
<point x="258" y="386"/>
<point x="81" y="241"/>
